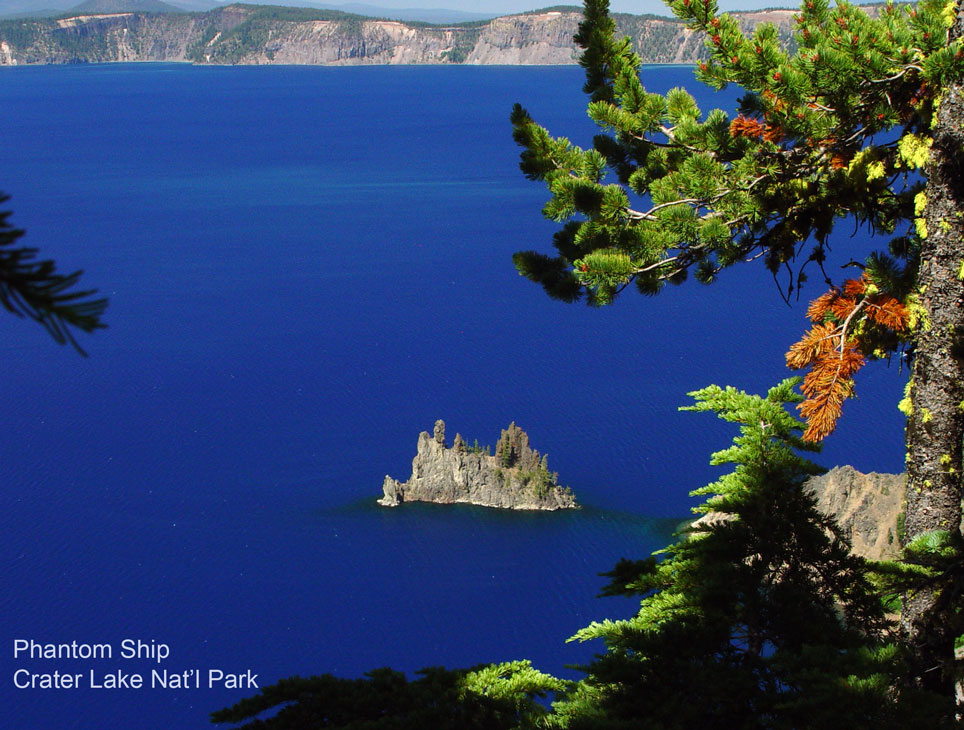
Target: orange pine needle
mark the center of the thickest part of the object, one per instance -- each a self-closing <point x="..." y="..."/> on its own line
<point x="855" y="287"/>
<point x="888" y="311"/>
<point x="828" y="384"/>
<point x="833" y="352"/>
<point x="843" y="307"/>
<point x="773" y="133"/>
<point x="815" y="343"/>
<point x="743" y="126"/>
<point x="819" y="307"/>
<point x="838" y="161"/>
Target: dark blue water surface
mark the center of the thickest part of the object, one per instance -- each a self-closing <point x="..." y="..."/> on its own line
<point x="307" y="267"/>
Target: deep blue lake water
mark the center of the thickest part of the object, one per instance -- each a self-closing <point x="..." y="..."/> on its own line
<point x="307" y="267"/>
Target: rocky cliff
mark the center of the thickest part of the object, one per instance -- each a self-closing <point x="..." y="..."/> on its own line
<point x="251" y="34"/>
<point x="867" y="507"/>
<point x="515" y="477"/>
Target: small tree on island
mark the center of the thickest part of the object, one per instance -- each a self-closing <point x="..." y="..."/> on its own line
<point x="863" y="120"/>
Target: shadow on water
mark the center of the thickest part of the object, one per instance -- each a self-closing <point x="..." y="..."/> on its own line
<point x="587" y="525"/>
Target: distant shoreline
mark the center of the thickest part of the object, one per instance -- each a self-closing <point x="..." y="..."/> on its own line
<point x="244" y="34"/>
<point x="192" y="64"/>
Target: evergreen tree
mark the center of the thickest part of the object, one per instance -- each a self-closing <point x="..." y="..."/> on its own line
<point x="32" y="289"/>
<point x="759" y="616"/>
<point x="492" y="697"/>
<point x="862" y="120"/>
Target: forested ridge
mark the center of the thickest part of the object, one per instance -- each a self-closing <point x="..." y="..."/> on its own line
<point x="252" y="34"/>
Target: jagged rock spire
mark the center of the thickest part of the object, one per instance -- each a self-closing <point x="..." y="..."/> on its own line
<point x="516" y="477"/>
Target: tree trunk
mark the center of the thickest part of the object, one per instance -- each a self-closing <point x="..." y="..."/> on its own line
<point x="935" y="430"/>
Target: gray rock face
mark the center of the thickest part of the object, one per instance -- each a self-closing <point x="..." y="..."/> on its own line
<point x="245" y="34"/>
<point x="516" y="477"/>
<point x="543" y="39"/>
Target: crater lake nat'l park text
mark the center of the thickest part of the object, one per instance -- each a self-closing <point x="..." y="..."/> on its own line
<point x="40" y="656"/>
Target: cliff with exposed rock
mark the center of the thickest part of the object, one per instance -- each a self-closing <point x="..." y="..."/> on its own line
<point x="867" y="507"/>
<point x="252" y="34"/>
<point x="515" y="477"/>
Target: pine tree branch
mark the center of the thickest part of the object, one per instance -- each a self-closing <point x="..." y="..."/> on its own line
<point x="33" y="289"/>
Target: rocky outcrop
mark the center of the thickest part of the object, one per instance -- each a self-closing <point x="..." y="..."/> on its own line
<point x="376" y="42"/>
<point x="103" y="38"/>
<point x="527" y="40"/>
<point x="248" y="34"/>
<point x="515" y="477"/>
<point x="867" y="508"/>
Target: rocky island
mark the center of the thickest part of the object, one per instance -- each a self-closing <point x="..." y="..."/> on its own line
<point x="515" y="477"/>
